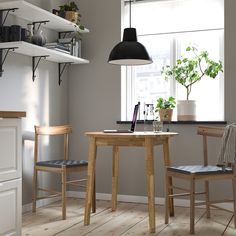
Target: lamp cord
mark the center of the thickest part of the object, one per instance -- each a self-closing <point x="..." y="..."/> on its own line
<point x="130" y="13"/>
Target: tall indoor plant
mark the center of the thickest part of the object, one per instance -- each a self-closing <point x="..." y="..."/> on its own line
<point x="187" y="72"/>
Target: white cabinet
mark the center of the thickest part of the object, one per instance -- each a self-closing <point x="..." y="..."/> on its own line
<point x="10" y="149"/>
<point x="10" y="205"/>
<point x="10" y="175"/>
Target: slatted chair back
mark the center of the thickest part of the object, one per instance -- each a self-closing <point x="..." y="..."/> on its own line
<point x="52" y="130"/>
<point x="209" y="132"/>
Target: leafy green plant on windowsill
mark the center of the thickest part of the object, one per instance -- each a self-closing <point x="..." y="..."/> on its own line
<point x="165" y="108"/>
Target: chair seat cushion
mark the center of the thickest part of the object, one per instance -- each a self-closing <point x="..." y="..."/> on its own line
<point x="60" y="163"/>
<point x="200" y="169"/>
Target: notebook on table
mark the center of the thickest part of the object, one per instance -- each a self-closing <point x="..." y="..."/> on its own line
<point x="133" y="124"/>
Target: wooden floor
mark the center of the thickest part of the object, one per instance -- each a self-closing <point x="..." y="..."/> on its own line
<point x="129" y="219"/>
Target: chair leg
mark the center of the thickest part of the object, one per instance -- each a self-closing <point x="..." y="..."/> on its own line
<point x="171" y="200"/>
<point x="63" y="192"/>
<point x="192" y="205"/>
<point x="167" y="200"/>
<point x="94" y="195"/>
<point x="234" y="196"/>
<point x="34" y="190"/>
<point x="208" y="214"/>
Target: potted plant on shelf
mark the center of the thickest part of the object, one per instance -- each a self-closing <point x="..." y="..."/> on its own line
<point x="70" y="12"/>
<point x="165" y="108"/>
<point x="187" y="72"/>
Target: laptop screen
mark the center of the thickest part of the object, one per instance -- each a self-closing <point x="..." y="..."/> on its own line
<point x="135" y="115"/>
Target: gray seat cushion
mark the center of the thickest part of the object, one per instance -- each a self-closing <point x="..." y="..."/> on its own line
<point x="200" y="169"/>
<point x="60" y="163"/>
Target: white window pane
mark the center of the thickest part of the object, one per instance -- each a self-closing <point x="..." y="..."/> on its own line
<point x="147" y="81"/>
<point x="208" y="92"/>
<point x="151" y="18"/>
<point x="176" y="15"/>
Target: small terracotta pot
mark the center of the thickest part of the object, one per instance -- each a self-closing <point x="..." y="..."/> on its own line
<point x="165" y="114"/>
<point x="72" y="16"/>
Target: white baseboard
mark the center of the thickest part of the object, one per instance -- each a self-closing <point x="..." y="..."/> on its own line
<point x="121" y="198"/>
<point x="40" y="203"/>
<point x="129" y="198"/>
<point x="143" y="199"/>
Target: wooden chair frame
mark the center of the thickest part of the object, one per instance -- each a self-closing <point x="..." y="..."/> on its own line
<point x="192" y="178"/>
<point x="64" y="130"/>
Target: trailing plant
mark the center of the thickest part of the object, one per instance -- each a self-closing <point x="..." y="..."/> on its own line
<point x="162" y="103"/>
<point x="192" y="69"/>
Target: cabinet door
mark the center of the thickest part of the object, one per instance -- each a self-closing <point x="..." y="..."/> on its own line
<point x="10" y="149"/>
<point x="10" y="208"/>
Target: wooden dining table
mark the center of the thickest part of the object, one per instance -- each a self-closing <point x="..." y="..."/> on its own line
<point x="147" y="140"/>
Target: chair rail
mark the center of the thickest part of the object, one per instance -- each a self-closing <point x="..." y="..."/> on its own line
<point x="210" y="131"/>
<point x="53" y="130"/>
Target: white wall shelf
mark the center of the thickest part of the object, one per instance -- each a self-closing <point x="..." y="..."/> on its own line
<point x="32" y="50"/>
<point x="33" y="13"/>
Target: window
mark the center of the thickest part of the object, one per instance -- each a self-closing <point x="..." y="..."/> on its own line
<point x="166" y="28"/>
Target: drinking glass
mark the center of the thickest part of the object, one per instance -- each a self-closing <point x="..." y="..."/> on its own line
<point x="157" y="126"/>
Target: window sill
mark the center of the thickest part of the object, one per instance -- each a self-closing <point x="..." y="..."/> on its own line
<point x="179" y="122"/>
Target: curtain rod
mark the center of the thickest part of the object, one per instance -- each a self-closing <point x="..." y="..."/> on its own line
<point x="143" y="1"/>
<point x="179" y="32"/>
<point x="136" y="1"/>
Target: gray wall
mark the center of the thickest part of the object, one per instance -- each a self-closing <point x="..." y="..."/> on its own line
<point x="94" y="103"/>
<point x="91" y="97"/>
<point x="94" y="89"/>
<point x="230" y="60"/>
<point x="44" y="101"/>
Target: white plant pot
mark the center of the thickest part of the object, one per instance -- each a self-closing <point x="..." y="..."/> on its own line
<point x="186" y="110"/>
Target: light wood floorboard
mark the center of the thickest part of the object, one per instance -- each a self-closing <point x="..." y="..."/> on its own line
<point x="129" y="219"/>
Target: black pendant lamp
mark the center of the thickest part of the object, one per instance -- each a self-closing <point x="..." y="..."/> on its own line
<point x="129" y="51"/>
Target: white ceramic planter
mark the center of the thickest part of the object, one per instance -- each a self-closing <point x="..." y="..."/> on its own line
<point x="186" y="110"/>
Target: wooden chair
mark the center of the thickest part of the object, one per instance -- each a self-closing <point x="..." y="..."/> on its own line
<point x="195" y="173"/>
<point x="62" y="166"/>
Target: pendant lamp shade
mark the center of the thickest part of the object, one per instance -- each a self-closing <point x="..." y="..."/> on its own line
<point x="129" y="51"/>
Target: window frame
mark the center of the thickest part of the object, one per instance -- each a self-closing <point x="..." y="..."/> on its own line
<point x="127" y="79"/>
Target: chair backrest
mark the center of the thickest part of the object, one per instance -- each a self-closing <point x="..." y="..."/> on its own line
<point x="52" y="130"/>
<point x="208" y="131"/>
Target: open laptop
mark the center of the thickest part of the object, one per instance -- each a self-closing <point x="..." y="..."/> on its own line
<point x="133" y="124"/>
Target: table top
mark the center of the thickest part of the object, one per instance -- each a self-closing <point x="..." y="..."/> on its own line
<point x="12" y="114"/>
<point x="137" y="134"/>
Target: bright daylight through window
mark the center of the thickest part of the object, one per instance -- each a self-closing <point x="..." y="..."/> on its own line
<point x="167" y="28"/>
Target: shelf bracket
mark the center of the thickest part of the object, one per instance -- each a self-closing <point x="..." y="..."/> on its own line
<point x="35" y="64"/>
<point x="61" y="69"/>
<point x="2" y="21"/>
<point x="40" y="23"/>
<point x="3" y="58"/>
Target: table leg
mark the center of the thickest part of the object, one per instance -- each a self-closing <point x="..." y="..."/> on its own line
<point x="150" y="183"/>
<point x="90" y="181"/>
<point x="167" y="162"/>
<point x="115" y="173"/>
